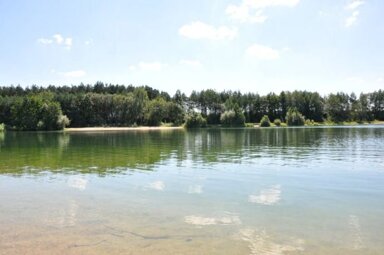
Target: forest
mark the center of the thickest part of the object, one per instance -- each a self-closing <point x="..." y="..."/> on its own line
<point x="56" y="107"/>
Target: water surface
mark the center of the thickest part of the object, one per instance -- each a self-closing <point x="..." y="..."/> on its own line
<point x="233" y="191"/>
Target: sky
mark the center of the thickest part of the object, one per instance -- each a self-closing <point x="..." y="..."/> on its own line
<point x="258" y="46"/>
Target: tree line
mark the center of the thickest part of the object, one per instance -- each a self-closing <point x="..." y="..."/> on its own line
<point x="54" y="107"/>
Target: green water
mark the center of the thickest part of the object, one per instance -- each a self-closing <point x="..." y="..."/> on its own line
<point x="233" y="191"/>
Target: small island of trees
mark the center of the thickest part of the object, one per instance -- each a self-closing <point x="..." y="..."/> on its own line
<point x="98" y="105"/>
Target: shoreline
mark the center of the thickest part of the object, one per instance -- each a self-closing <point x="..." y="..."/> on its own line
<point x="111" y="129"/>
<point x="146" y="128"/>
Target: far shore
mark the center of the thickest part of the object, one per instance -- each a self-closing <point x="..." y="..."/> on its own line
<point x="256" y="125"/>
<point x="102" y="129"/>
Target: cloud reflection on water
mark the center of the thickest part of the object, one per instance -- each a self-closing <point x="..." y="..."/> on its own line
<point x="268" y="196"/>
<point x="207" y="221"/>
<point x="77" y="182"/>
<point x="157" y="185"/>
<point x="260" y="243"/>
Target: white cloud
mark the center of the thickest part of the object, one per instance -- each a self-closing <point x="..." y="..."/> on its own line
<point x="199" y="30"/>
<point x="191" y="63"/>
<point x="252" y="10"/>
<point x="271" y="3"/>
<point x="354" y="4"/>
<point x="262" y="52"/>
<point x="68" y="42"/>
<point x="58" y="39"/>
<point x="73" y="74"/>
<point x="242" y="14"/>
<point x="351" y="20"/>
<point x="353" y="7"/>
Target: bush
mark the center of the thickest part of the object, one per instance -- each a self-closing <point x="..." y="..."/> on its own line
<point x="195" y="120"/>
<point x="309" y="122"/>
<point x="232" y="118"/>
<point x="63" y="121"/>
<point x="265" y="122"/>
<point x="295" y="118"/>
<point x="277" y="122"/>
<point x="2" y="127"/>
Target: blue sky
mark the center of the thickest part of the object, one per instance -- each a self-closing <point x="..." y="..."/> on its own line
<point x="248" y="45"/>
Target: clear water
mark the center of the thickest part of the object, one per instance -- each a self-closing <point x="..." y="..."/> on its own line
<point x="233" y="191"/>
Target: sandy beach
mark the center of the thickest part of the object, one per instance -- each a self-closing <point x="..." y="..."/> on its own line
<point x="109" y="129"/>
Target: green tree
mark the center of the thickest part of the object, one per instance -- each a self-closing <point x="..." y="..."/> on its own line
<point x="338" y="107"/>
<point x="294" y="117"/>
<point x="265" y="122"/>
<point x="195" y="120"/>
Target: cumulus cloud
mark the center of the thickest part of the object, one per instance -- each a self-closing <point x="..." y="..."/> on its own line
<point x="57" y="39"/>
<point x="354" y="4"/>
<point x="251" y="11"/>
<point x="353" y="7"/>
<point x="351" y="20"/>
<point x="199" y="30"/>
<point x="242" y="13"/>
<point x="262" y="52"/>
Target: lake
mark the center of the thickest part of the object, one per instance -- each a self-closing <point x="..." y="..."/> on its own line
<point x="317" y="191"/>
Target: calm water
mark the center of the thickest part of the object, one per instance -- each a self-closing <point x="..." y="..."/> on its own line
<point x="254" y="191"/>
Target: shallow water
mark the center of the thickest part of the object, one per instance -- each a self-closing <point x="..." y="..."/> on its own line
<point x="234" y="191"/>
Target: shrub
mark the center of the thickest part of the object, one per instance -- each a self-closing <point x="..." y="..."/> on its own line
<point x="63" y="121"/>
<point x="309" y="123"/>
<point x="295" y="118"/>
<point x="277" y="122"/>
<point x="265" y="122"/>
<point x="232" y="118"/>
<point x="2" y="127"/>
<point x="195" y="120"/>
